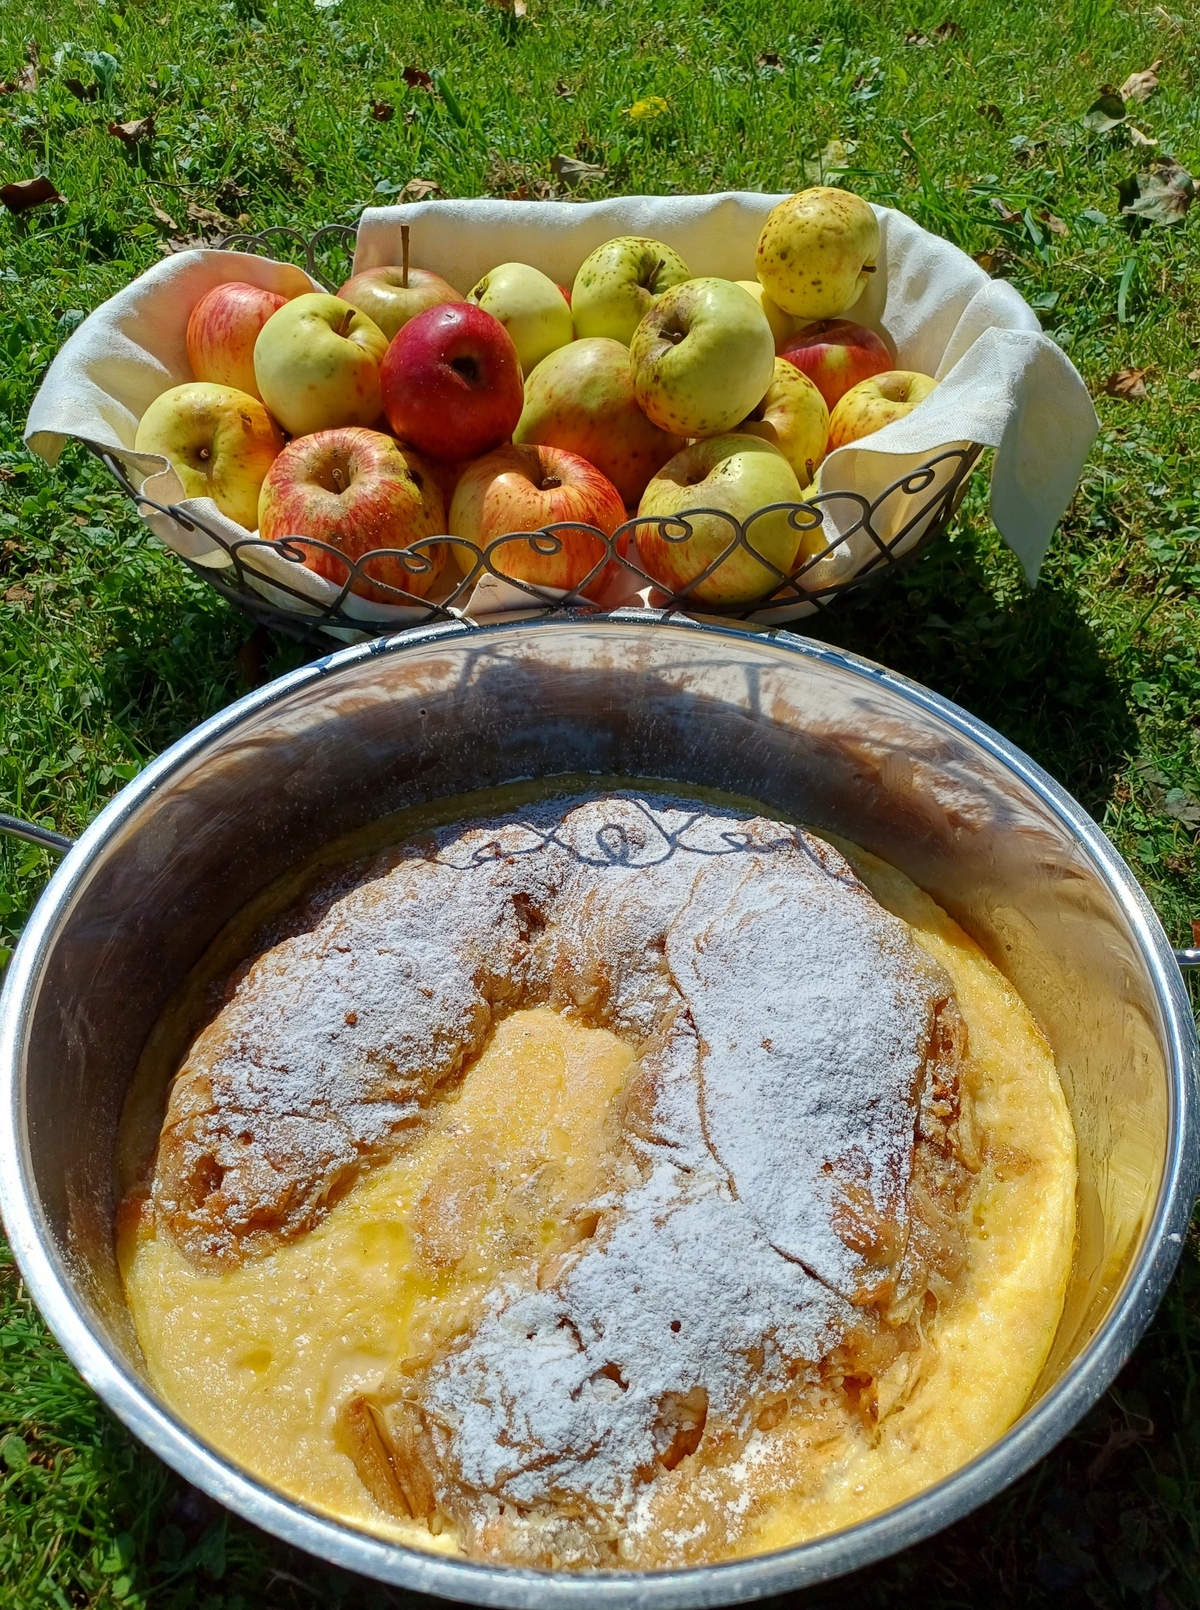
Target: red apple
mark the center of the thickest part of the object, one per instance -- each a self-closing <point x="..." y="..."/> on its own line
<point x="451" y="382"/>
<point x="223" y="329"/>
<point x="356" y="490"/>
<point x="836" y="354"/>
<point x="565" y="292"/>
<point x="393" y="296"/>
<point x="526" y="488"/>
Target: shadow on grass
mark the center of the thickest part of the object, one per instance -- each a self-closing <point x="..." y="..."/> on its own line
<point x="1030" y="667"/>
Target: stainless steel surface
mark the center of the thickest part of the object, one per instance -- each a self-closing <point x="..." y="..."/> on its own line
<point x="45" y="836"/>
<point x="834" y="740"/>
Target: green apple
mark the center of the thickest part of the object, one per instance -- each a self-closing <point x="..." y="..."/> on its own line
<point x="792" y="417"/>
<point x="317" y="364"/>
<point x="581" y="398"/>
<point x="219" y="441"/>
<point x="531" y="308"/>
<point x="817" y="251"/>
<point x="702" y="357"/>
<point x="739" y="474"/>
<point x="783" y="325"/>
<point x="620" y="282"/>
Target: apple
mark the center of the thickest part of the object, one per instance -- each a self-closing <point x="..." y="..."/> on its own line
<point x="620" y="282"/>
<point x="581" y="398"/>
<point x="317" y="364"/>
<point x="702" y="358"/>
<point x="739" y="474"/>
<point x="817" y="251"/>
<point x="220" y="442"/>
<point x="452" y="382"/>
<point x="356" y="490"/>
<point x="223" y="329"/>
<point x="523" y="488"/>
<point x="529" y="306"/>
<point x="783" y="325"/>
<point x="835" y="355"/>
<point x="390" y="297"/>
<point x="876" y="402"/>
<point x="792" y="417"/>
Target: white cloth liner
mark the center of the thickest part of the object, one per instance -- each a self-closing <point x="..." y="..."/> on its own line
<point x="1003" y="384"/>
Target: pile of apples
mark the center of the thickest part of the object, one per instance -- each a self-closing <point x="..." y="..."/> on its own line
<point x="399" y="411"/>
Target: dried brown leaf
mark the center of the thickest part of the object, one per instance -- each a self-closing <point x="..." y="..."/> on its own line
<point x="133" y="133"/>
<point x="993" y="258"/>
<point x="768" y="61"/>
<point x="918" y="41"/>
<point x="1008" y="215"/>
<point x="1127" y="383"/>
<point x="1140" y="86"/>
<point x="420" y="190"/>
<point x="382" y="111"/>
<point x="563" y="90"/>
<point x="1105" y="113"/>
<point x="1160" y="195"/>
<point x="1195" y="931"/>
<point x="1194" y="374"/>
<point x="1138" y="139"/>
<point x="25" y="193"/>
<point x="992" y="112"/>
<point x="206" y="215"/>
<point x="82" y="91"/>
<point x="949" y="30"/>
<point x="18" y="595"/>
<point x="573" y="172"/>
<point x="25" y="82"/>
<point x="163" y="217"/>
<point x="1053" y="223"/>
<point x="417" y="78"/>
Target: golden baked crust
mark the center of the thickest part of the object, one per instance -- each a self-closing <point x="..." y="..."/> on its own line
<point x="788" y="1174"/>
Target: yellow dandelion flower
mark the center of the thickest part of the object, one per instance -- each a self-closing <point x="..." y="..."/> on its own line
<point x="646" y="111"/>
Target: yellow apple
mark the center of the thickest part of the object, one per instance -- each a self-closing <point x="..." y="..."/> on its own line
<point x="531" y="308"/>
<point x="877" y="402"/>
<point x="792" y="417"/>
<point x="317" y="365"/>
<point x="702" y="358"/>
<point x="740" y="475"/>
<point x="620" y="282"/>
<point x="817" y="251"/>
<point x="783" y="325"/>
<point x="220" y="442"/>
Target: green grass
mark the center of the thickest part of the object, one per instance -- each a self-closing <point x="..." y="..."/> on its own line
<point x="109" y="649"/>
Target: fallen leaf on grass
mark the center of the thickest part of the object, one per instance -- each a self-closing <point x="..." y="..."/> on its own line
<point x="573" y="172"/>
<point x="1137" y="138"/>
<point x="1195" y="931"/>
<point x="1194" y="374"/>
<point x="419" y="190"/>
<point x="831" y="163"/>
<point x="82" y="91"/>
<point x="24" y="83"/>
<point x="163" y="217"/>
<point x="768" y="61"/>
<point x="417" y="78"/>
<point x="1140" y="86"/>
<point x="134" y="133"/>
<point x="993" y="114"/>
<point x="519" y="8"/>
<point x="1161" y="194"/>
<point x="918" y="41"/>
<point x="1127" y="383"/>
<point x="1182" y="806"/>
<point x="1106" y="112"/>
<point x="382" y="111"/>
<point x="993" y="258"/>
<point x="206" y="215"/>
<point x="949" y="30"/>
<point x="1054" y="224"/>
<point x="18" y="595"/>
<point x="25" y="193"/>
<point x="1008" y="215"/>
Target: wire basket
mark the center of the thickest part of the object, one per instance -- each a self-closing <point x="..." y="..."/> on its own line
<point x="913" y="510"/>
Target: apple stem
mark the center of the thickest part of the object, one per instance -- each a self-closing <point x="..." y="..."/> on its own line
<point x="404" y="256"/>
<point x="868" y="268"/>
